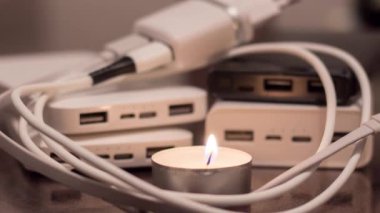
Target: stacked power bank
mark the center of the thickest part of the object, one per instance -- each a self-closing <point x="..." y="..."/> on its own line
<point x="277" y="112"/>
<point x="128" y="127"/>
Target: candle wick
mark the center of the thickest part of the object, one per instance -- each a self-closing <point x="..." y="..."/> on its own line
<point x="209" y="159"/>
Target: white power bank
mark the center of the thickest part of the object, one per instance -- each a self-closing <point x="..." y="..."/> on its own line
<point x="91" y="113"/>
<point x="282" y="135"/>
<point x="129" y="150"/>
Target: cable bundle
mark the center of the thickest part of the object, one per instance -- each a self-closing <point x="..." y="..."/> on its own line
<point x="122" y="182"/>
<point x="137" y="54"/>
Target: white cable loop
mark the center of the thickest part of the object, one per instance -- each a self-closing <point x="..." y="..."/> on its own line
<point x="90" y="157"/>
<point x="223" y="200"/>
<point x="365" y="88"/>
<point x="318" y="65"/>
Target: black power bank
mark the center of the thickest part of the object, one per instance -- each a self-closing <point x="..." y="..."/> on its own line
<point x="247" y="80"/>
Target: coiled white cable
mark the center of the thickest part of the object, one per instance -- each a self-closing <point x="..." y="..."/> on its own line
<point x="326" y="139"/>
<point x="87" y="155"/>
<point x="264" y="51"/>
<point x="118" y="179"/>
<point x="366" y="114"/>
<point x="329" y="132"/>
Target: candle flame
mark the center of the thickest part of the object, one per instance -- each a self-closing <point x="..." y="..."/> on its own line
<point x="211" y="149"/>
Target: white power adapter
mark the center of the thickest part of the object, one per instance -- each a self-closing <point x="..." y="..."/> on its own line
<point x="282" y="134"/>
<point x="197" y="32"/>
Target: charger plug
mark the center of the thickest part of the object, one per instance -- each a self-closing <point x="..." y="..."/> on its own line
<point x="200" y="32"/>
<point x="186" y="36"/>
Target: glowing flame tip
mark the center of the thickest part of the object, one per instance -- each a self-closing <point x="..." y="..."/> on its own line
<point x="211" y="149"/>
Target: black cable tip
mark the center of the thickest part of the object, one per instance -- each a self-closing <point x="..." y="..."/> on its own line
<point x="122" y="66"/>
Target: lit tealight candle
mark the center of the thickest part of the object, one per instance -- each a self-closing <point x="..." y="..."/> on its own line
<point x="203" y="169"/>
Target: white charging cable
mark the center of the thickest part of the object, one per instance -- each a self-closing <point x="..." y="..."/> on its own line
<point x="229" y="197"/>
<point x="365" y="88"/>
<point x="177" y="53"/>
<point x="259" y="48"/>
<point x="86" y="155"/>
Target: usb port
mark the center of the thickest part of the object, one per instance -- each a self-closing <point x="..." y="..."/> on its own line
<point x="181" y="109"/>
<point x="105" y="156"/>
<point x="315" y="86"/>
<point x="127" y="116"/>
<point x="278" y="85"/>
<point x="273" y="137"/>
<point x="338" y="135"/>
<point x="301" y="139"/>
<point x="123" y="156"/>
<point x="145" y="115"/>
<point x="152" y="150"/>
<point x="93" y="118"/>
<point x="237" y="135"/>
